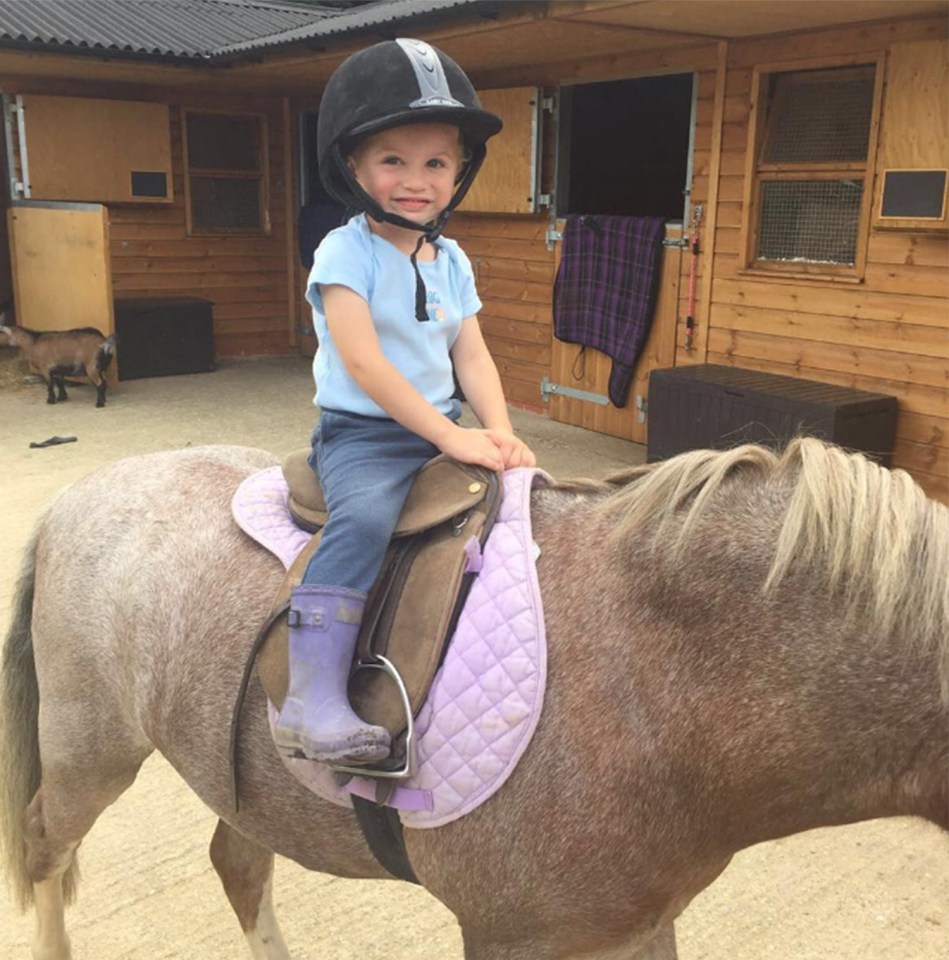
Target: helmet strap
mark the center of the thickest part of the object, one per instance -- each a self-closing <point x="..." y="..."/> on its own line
<point x="421" y="295"/>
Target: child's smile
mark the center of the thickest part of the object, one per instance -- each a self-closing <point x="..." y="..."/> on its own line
<point x="410" y="170"/>
<point x="413" y="204"/>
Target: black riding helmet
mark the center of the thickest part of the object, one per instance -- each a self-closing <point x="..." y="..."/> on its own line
<point x="388" y="85"/>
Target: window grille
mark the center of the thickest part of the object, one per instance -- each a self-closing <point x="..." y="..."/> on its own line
<point x="810" y="220"/>
<point x="820" y="122"/>
<point x="226" y="173"/>
<point x="811" y="168"/>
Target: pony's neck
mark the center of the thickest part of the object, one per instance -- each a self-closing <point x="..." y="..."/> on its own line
<point x="837" y="746"/>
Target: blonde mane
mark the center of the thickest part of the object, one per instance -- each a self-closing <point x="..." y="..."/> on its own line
<point x="874" y="534"/>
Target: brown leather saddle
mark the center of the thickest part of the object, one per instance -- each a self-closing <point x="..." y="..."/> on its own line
<point x="411" y="610"/>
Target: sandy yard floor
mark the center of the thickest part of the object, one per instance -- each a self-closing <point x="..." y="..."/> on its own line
<point x="876" y="891"/>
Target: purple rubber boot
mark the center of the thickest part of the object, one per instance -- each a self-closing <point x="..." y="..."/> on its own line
<point x="317" y="720"/>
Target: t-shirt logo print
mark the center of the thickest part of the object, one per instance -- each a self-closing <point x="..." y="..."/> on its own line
<point x="434" y="311"/>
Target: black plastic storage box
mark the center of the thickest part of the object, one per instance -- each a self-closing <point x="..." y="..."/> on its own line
<point x="164" y="336"/>
<point x="714" y="406"/>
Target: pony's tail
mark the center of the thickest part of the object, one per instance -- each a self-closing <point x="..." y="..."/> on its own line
<point x="19" y="739"/>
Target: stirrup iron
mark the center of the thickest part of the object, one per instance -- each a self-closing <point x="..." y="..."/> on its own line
<point x="381" y="771"/>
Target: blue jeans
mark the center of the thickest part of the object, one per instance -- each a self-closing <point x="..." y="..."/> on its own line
<point x="366" y="467"/>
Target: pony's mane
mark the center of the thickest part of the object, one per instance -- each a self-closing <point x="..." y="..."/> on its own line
<point x="871" y="532"/>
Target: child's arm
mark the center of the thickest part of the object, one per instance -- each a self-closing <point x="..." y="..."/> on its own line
<point x="481" y="384"/>
<point x="350" y="325"/>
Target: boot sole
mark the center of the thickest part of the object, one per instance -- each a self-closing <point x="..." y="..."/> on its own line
<point x="364" y="755"/>
<point x="351" y="753"/>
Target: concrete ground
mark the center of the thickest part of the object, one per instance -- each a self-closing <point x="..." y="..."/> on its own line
<point x="875" y="891"/>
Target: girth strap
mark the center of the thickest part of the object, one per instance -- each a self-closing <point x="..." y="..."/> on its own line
<point x="382" y="829"/>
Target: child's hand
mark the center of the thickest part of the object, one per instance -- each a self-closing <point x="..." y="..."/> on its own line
<point x="473" y="446"/>
<point x="514" y="451"/>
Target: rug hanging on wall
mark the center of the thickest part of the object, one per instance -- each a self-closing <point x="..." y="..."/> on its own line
<point x="606" y="289"/>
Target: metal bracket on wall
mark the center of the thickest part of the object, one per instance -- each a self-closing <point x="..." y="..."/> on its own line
<point x="16" y="188"/>
<point x="19" y="111"/>
<point x="547" y="387"/>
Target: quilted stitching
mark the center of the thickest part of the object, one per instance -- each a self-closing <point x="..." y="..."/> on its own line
<point x="486" y="699"/>
<point x="260" y="508"/>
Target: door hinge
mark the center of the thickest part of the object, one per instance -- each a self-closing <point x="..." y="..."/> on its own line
<point x="552" y="235"/>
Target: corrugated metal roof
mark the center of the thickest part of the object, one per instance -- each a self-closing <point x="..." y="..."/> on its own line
<point x="357" y="18"/>
<point x="159" y="28"/>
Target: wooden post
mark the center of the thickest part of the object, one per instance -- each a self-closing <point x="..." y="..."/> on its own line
<point x="704" y="308"/>
<point x="289" y="196"/>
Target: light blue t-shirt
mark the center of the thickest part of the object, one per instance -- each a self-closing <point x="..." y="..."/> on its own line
<point x="382" y="275"/>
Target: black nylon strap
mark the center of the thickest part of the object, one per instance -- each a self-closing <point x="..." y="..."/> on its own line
<point x="382" y="829"/>
<point x="421" y="296"/>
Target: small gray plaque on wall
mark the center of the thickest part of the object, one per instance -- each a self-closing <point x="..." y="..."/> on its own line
<point x="146" y="183"/>
<point x="914" y="195"/>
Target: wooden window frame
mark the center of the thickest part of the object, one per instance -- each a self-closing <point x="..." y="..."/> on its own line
<point x="758" y="173"/>
<point x="262" y="174"/>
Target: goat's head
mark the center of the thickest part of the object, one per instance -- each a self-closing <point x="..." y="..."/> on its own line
<point x="15" y="336"/>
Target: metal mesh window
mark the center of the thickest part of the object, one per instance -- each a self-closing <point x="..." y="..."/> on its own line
<point x="822" y="121"/>
<point x="221" y="142"/>
<point x="226" y="172"/>
<point x="811" y="168"/>
<point x="224" y="204"/>
<point x="810" y="220"/>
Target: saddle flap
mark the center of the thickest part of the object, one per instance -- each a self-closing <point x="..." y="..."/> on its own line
<point x="442" y="489"/>
<point x="411" y="609"/>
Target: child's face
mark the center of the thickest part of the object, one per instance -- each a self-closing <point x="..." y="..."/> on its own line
<point x="411" y="170"/>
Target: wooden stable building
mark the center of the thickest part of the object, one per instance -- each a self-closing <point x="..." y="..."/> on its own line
<point x="140" y="172"/>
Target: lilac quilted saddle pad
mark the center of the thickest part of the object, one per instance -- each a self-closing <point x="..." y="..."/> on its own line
<point x="486" y="699"/>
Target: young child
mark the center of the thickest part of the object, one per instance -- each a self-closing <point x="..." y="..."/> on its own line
<point x="401" y="136"/>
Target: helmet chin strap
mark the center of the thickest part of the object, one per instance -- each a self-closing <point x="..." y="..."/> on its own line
<point x="430" y="231"/>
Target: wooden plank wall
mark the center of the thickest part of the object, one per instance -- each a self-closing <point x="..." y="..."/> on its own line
<point x="515" y="276"/>
<point x="245" y="277"/>
<point x="515" y="269"/>
<point x="889" y="334"/>
<point x="151" y="254"/>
